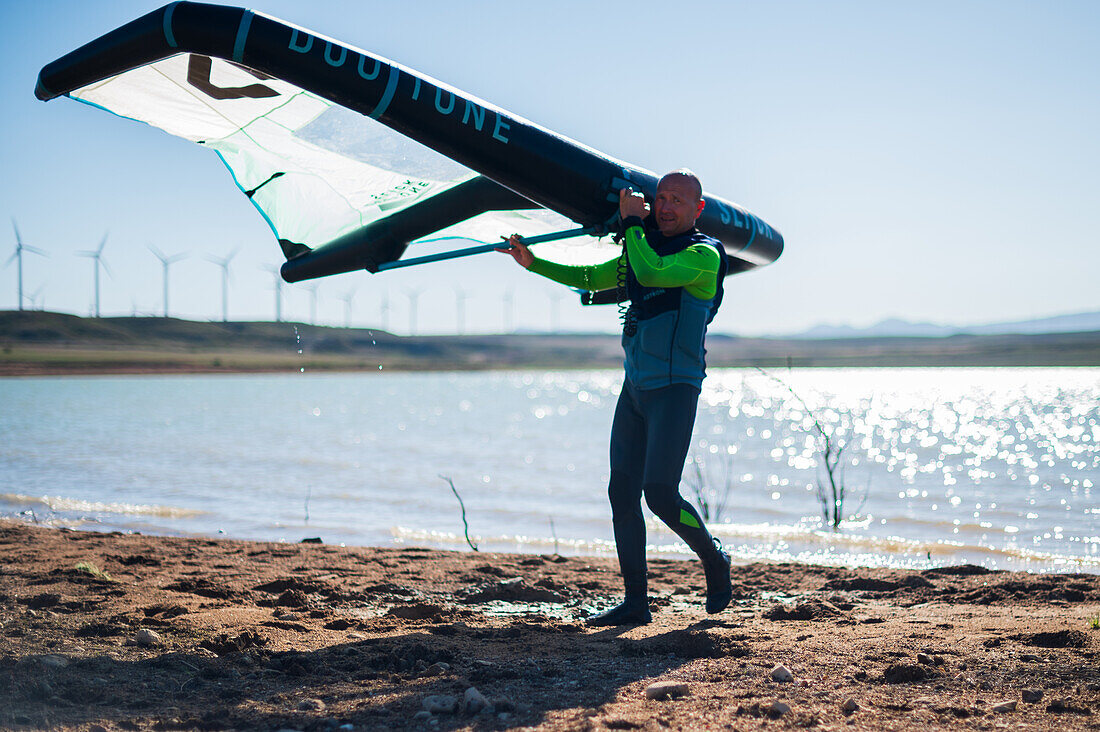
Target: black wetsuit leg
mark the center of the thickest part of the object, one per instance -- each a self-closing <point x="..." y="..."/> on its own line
<point x="650" y="437"/>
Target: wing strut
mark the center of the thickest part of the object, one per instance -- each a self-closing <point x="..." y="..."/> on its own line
<point x="455" y="254"/>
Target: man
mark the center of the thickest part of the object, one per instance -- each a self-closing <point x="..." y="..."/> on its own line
<point x="673" y="278"/>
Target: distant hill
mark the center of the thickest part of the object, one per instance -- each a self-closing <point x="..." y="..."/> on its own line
<point x="894" y="327"/>
<point x="56" y="343"/>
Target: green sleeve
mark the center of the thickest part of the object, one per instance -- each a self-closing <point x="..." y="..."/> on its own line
<point x="589" y="277"/>
<point x="695" y="268"/>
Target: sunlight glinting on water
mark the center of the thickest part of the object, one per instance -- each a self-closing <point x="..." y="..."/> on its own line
<point x="1002" y="460"/>
<point x="995" y="466"/>
<point x="62" y="504"/>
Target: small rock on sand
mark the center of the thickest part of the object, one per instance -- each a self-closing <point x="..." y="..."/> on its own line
<point x="1008" y="706"/>
<point x="422" y="716"/>
<point x="146" y="637"/>
<point x="53" y="661"/>
<point x="778" y="708"/>
<point x="782" y="674"/>
<point x="849" y="706"/>
<point x="667" y="690"/>
<point x="436" y="669"/>
<point x="901" y="673"/>
<point x="440" y="704"/>
<point x="1032" y="696"/>
<point x="474" y="702"/>
<point x="311" y="705"/>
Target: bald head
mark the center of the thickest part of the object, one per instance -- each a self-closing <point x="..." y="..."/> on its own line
<point x="678" y="203"/>
<point x="686" y="176"/>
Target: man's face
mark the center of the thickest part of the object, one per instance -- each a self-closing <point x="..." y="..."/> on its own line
<point x="676" y="206"/>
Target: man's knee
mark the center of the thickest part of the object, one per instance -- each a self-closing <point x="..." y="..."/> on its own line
<point x="664" y="501"/>
<point x="623" y="493"/>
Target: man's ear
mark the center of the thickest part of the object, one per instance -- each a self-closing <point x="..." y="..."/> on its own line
<point x="699" y="211"/>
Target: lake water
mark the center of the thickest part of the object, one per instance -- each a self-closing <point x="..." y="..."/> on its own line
<point x="997" y="467"/>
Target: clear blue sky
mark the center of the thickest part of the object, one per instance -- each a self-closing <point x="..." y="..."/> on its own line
<point x="933" y="161"/>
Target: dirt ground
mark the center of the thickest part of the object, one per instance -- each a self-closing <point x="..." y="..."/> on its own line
<point x="111" y="631"/>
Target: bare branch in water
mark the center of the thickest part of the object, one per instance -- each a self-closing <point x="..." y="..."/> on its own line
<point x="465" y="526"/>
<point x="832" y="496"/>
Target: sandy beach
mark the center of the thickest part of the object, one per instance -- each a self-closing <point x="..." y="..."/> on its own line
<point x="124" y="631"/>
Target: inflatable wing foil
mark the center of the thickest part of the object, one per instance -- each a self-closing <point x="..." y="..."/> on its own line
<point x="350" y="157"/>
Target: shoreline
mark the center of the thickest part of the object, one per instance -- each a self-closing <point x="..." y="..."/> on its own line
<point x="38" y="342"/>
<point x="79" y="366"/>
<point x="259" y="635"/>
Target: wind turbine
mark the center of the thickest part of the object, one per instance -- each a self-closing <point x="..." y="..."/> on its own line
<point x="412" y="294"/>
<point x="33" y="297"/>
<point x="97" y="255"/>
<point x="347" y="298"/>
<point x="278" y="292"/>
<point x="20" y="247"/>
<point x="312" y="287"/>
<point x="224" y="264"/>
<point x="555" y="296"/>
<point x="460" y="309"/>
<point x="167" y="262"/>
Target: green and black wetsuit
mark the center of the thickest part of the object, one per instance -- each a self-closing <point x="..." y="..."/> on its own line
<point x="675" y="287"/>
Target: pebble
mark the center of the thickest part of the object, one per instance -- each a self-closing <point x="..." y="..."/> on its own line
<point x="925" y="659"/>
<point x="146" y="637"/>
<point x="1032" y="696"/>
<point x="311" y="705"/>
<point x="474" y="702"/>
<point x="1008" y="706"/>
<point x="667" y="690"/>
<point x="436" y="669"/>
<point x="52" y="661"/>
<point x="782" y="674"/>
<point x="422" y="716"/>
<point x="778" y="709"/>
<point x="849" y="706"/>
<point x="440" y="704"/>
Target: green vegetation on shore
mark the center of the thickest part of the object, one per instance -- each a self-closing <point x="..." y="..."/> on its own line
<point x="36" y="342"/>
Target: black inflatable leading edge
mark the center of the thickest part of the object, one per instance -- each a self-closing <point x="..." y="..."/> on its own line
<point x="531" y="162"/>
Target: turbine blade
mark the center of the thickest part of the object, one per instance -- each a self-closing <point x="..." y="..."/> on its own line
<point x="101" y="245"/>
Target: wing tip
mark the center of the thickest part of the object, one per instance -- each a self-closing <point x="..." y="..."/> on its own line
<point x="292" y="249"/>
